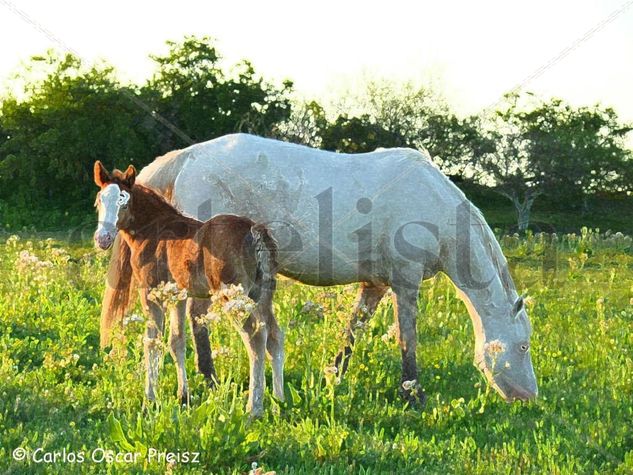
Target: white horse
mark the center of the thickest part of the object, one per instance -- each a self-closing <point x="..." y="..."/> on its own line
<point x="388" y="218"/>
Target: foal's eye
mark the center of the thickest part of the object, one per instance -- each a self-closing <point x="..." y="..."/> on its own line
<point x="124" y="197"/>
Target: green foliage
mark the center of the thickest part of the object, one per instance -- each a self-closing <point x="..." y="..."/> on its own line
<point x="60" y="392"/>
<point x="395" y="115"/>
<point x="70" y="115"/>
<point x="358" y="135"/>
<point x="193" y="92"/>
<point x="67" y="120"/>
<point x="578" y="150"/>
<point x="550" y="148"/>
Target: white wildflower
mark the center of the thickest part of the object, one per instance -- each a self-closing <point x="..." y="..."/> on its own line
<point x="233" y="302"/>
<point x="134" y="318"/>
<point x="60" y="255"/>
<point x="391" y="334"/>
<point x="409" y="385"/>
<point x="26" y="260"/>
<point x="13" y="240"/>
<point x="212" y="317"/>
<point x="167" y="294"/>
<point x="220" y="351"/>
<point x="312" y="308"/>
<point x="495" y="347"/>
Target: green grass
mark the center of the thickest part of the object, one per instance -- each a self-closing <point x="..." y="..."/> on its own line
<point x="59" y="392"/>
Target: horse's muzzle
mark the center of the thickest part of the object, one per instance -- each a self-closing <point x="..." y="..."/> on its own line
<point x="513" y="392"/>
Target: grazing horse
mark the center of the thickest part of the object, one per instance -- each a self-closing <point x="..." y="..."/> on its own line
<point x="200" y="257"/>
<point x="388" y="218"/>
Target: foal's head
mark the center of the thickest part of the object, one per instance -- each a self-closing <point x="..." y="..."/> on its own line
<point x="112" y="203"/>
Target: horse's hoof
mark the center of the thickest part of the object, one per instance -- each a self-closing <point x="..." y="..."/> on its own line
<point x="212" y="382"/>
<point x="415" y="397"/>
<point x="184" y="399"/>
<point x="255" y="414"/>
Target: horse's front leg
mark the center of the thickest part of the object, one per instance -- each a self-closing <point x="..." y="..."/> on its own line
<point x="196" y="309"/>
<point x="152" y="343"/>
<point x="369" y="297"/>
<point x="406" y="309"/>
<point x="177" y="347"/>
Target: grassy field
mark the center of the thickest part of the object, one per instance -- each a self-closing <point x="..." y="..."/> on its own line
<point x="62" y="395"/>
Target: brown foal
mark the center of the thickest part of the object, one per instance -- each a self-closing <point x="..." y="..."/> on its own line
<point x="199" y="257"/>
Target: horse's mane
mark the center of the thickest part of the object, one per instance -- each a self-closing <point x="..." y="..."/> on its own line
<point x="494" y="252"/>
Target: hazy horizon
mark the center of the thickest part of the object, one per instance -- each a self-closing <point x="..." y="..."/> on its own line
<point x="472" y="54"/>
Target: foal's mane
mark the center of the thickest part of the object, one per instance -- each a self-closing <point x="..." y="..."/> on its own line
<point x="150" y="201"/>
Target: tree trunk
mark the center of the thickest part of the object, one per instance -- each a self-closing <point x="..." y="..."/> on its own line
<point x="523" y="216"/>
<point x="523" y="209"/>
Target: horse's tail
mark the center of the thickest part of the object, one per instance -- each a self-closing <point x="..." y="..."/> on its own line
<point x="266" y="262"/>
<point x="119" y="290"/>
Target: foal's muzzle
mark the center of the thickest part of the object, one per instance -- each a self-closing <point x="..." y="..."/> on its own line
<point x="103" y="240"/>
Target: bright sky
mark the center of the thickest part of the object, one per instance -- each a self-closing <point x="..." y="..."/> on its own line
<point x="476" y="51"/>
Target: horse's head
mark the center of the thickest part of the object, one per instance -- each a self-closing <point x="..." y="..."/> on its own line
<point x="503" y="354"/>
<point x="112" y="203"/>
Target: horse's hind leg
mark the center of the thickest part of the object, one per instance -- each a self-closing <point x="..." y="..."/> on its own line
<point x="152" y="343"/>
<point x="275" y="347"/>
<point x="406" y="310"/>
<point x="196" y="308"/>
<point x="177" y="347"/>
<point x="254" y="334"/>
<point x="369" y="297"/>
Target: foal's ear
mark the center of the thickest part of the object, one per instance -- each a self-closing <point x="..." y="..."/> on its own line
<point x="130" y="176"/>
<point x="101" y="175"/>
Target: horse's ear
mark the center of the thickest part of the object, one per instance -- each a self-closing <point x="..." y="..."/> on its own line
<point x="101" y="175"/>
<point x="518" y="305"/>
<point x="130" y="176"/>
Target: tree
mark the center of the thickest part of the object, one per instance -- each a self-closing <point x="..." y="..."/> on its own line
<point x="554" y="149"/>
<point x="70" y="115"/>
<point x="401" y="115"/>
<point x="581" y="150"/>
<point x="66" y="120"/>
<point x="192" y="92"/>
<point x="358" y="135"/>
<point x="305" y="125"/>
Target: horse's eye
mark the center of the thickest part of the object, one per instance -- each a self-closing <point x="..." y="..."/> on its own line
<point x="524" y="347"/>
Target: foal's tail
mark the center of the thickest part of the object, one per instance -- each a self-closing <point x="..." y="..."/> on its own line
<point x="266" y="261"/>
<point x="119" y="290"/>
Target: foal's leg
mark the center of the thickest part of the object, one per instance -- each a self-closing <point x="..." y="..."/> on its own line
<point x="177" y="347"/>
<point x="406" y="310"/>
<point x="196" y="308"/>
<point x="275" y="347"/>
<point x="369" y="297"/>
<point x="254" y="334"/>
<point x="152" y="343"/>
